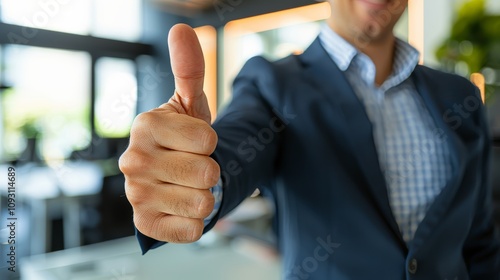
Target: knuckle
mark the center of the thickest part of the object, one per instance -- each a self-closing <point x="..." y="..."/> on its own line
<point x="178" y="169"/>
<point x="179" y="204"/>
<point x="139" y="162"/>
<point x="134" y="161"/>
<point x="158" y="226"/>
<point x="209" y="139"/>
<point x="204" y="203"/>
<point x="124" y="162"/>
<point x="190" y="231"/>
<point x="137" y="194"/>
<point x="155" y="225"/>
<point x="195" y="231"/>
<point x="211" y="173"/>
<point x="144" y="119"/>
<point x="140" y="122"/>
<point x="180" y="234"/>
<point x="134" y="194"/>
<point x="143" y="126"/>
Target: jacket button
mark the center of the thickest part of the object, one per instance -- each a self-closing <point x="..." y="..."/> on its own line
<point x="412" y="266"/>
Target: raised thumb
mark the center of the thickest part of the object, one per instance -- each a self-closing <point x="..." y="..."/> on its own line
<point x="188" y="68"/>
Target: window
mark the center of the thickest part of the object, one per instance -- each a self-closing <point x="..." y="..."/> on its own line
<point x="61" y="15"/>
<point x="123" y="24"/>
<point x="95" y="17"/>
<point x="275" y="36"/>
<point x="64" y="97"/>
<point x="49" y="100"/>
<point x="116" y="97"/>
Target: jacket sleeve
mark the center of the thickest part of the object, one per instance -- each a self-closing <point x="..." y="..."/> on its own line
<point x="482" y="248"/>
<point x="249" y="131"/>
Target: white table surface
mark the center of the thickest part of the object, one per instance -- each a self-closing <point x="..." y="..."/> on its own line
<point x="121" y="259"/>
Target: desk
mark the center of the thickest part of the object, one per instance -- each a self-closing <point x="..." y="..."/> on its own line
<point x="121" y="259"/>
<point x="43" y="188"/>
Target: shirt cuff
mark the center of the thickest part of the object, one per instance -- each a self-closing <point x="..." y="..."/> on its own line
<point x="217" y="193"/>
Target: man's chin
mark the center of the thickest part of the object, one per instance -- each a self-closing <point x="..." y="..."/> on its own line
<point x="370" y="35"/>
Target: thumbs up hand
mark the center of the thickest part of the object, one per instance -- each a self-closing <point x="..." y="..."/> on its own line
<point x="188" y="68"/>
<point x="167" y="167"/>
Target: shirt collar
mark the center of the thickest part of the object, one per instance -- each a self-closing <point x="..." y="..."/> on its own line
<point x="343" y="54"/>
<point x="341" y="51"/>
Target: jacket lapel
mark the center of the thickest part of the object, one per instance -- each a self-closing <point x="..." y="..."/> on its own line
<point x="331" y="82"/>
<point x="437" y="108"/>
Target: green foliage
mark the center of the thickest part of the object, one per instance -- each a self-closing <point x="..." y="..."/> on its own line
<point x="474" y="40"/>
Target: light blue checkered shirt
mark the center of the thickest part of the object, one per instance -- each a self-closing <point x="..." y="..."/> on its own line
<point x="414" y="159"/>
<point x="217" y="193"/>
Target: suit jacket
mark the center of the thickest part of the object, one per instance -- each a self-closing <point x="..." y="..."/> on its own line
<point x="296" y="129"/>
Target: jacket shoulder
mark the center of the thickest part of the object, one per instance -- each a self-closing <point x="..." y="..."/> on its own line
<point x="271" y="79"/>
<point x="454" y="84"/>
<point x="260" y="66"/>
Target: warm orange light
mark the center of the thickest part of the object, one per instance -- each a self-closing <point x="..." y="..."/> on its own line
<point x="416" y="26"/>
<point x="237" y="28"/>
<point x="279" y="19"/>
<point x="208" y="40"/>
<point x="478" y="80"/>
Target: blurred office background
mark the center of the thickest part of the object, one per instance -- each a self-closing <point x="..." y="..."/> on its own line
<point x="73" y="75"/>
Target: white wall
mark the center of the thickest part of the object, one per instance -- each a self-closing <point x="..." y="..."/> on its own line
<point x="493" y="6"/>
<point x="438" y="18"/>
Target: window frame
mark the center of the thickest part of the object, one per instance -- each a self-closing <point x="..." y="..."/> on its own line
<point x="97" y="48"/>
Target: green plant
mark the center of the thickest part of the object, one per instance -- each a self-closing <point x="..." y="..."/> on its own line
<point x="473" y="44"/>
<point x="29" y="129"/>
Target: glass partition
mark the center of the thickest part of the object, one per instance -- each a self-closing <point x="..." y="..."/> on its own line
<point x="49" y="102"/>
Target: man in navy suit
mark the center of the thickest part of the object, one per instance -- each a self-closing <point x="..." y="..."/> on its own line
<point x="378" y="166"/>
